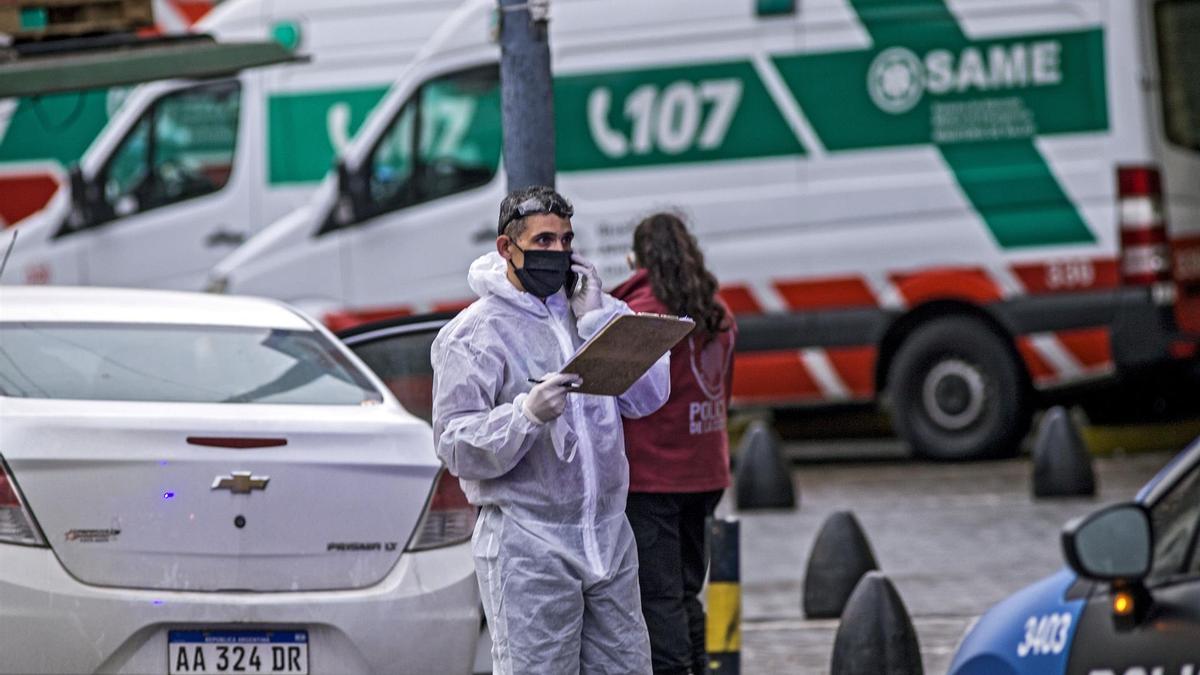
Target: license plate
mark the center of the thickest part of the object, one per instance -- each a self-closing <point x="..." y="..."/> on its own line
<point x="237" y="651"/>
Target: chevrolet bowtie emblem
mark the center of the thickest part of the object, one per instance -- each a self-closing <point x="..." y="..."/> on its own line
<point x="241" y="482"/>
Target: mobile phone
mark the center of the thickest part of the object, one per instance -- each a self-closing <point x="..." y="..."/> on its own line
<point x="572" y="282"/>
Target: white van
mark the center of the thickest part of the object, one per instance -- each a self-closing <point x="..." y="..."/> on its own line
<point x="186" y="170"/>
<point x="42" y="136"/>
<point x="960" y="203"/>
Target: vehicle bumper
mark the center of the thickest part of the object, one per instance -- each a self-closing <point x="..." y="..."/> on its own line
<point x="1146" y="333"/>
<point x="422" y="618"/>
<point x="1142" y="332"/>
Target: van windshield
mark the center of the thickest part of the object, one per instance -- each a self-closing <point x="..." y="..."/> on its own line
<point x="1178" y="25"/>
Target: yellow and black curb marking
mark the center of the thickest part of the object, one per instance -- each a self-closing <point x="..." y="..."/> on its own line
<point x="723" y="634"/>
<point x="1104" y="441"/>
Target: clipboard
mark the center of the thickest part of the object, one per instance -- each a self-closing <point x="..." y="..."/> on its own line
<point x="623" y="350"/>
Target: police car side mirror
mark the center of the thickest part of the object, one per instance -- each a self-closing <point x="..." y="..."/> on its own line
<point x="1113" y="544"/>
<point x="1116" y="545"/>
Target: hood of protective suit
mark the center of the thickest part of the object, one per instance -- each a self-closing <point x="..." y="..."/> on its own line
<point x="571" y="494"/>
<point x="489" y="276"/>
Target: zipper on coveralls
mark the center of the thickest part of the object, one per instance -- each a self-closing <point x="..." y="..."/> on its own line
<point x="591" y="547"/>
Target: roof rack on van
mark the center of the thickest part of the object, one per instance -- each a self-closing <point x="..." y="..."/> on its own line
<point x="112" y="59"/>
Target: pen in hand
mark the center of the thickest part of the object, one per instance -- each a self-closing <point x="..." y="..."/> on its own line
<point x="568" y="385"/>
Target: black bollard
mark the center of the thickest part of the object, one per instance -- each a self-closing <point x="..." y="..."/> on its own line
<point x="763" y="479"/>
<point x="875" y="635"/>
<point x="840" y="556"/>
<point x="723" y="627"/>
<point x="1062" y="465"/>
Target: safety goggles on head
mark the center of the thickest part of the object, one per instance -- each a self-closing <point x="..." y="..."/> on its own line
<point x="534" y="205"/>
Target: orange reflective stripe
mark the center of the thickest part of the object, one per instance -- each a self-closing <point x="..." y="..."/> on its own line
<point x="971" y="284"/>
<point x="25" y="194"/>
<point x="1068" y="276"/>
<point x="833" y="293"/>
<point x="856" y="366"/>
<point x="775" y="375"/>
<point x="1092" y="347"/>
<point x="1039" y="370"/>
<point x="349" y="318"/>
<point x="739" y="299"/>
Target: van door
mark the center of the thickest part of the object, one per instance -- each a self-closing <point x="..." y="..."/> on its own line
<point x="170" y="200"/>
<point x="1176" y="24"/>
<point x="430" y="197"/>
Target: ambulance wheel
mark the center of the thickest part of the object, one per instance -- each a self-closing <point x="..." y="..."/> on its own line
<point x="956" y="392"/>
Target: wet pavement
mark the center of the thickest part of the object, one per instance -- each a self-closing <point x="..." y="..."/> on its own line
<point x="953" y="538"/>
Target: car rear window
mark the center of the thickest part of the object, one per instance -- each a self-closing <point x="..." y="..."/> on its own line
<point x="173" y="363"/>
<point x="1178" y="26"/>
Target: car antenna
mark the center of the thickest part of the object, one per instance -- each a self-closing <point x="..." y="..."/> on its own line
<point x="8" y="252"/>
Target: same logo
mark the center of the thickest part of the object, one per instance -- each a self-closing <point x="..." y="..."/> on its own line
<point x="896" y="80"/>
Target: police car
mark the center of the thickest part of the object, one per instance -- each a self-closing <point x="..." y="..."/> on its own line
<point x="1129" y="602"/>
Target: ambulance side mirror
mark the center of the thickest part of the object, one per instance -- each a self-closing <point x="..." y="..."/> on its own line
<point x="351" y="196"/>
<point x="81" y="213"/>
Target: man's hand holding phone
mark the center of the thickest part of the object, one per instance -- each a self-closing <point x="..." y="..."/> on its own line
<point x="587" y="295"/>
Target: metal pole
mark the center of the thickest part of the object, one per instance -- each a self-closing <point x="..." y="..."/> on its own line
<point x="723" y="634"/>
<point x="527" y="101"/>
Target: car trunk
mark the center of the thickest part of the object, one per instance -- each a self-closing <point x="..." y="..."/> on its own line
<point x="125" y="499"/>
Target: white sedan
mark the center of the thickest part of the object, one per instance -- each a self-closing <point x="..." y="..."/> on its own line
<point x="205" y="484"/>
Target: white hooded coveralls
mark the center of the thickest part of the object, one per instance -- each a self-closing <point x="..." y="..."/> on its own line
<point x="554" y="555"/>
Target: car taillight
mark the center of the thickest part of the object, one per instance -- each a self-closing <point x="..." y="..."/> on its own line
<point x="1145" y="249"/>
<point x="448" y="519"/>
<point x="16" y="523"/>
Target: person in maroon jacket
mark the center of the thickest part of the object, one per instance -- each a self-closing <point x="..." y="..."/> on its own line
<point x="678" y="456"/>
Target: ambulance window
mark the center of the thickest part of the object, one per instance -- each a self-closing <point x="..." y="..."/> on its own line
<point x="392" y="162"/>
<point x="453" y="122"/>
<point x="460" y="132"/>
<point x="1178" y="24"/>
<point x="182" y="148"/>
<point x="195" y="135"/>
<point x="129" y="166"/>
<point x="1175" y="518"/>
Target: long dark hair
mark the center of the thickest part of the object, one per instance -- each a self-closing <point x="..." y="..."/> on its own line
<point x="663" y="246"/>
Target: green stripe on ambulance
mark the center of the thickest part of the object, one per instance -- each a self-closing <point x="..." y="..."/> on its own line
<point x="1050" y="83"/>
<point x="707" y="112"/>
<point x="995" y="91"/>
<point x="982" y="103"/>
<point x="55" y="126"/>
<point x="326" y="121"/>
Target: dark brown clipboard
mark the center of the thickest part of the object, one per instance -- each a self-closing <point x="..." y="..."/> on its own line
<point x="623" y="350"/>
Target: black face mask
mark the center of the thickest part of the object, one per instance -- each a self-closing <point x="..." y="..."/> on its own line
<point x="544" y="272"/>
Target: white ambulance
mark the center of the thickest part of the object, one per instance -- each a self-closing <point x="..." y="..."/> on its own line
<point x="950" y="205"/>
<point x="42" y="136"/>
<point x="186" y="170"/>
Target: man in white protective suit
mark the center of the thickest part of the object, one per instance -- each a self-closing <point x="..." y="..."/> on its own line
<point x="554" y="555"/>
